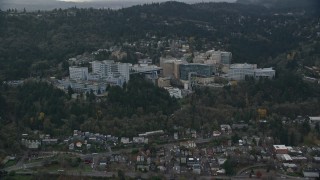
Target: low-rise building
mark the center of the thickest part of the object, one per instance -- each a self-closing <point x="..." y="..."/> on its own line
<point x="264" y="73"/>
<point x="174" y="92"/>
<point x="31" y="144"/>
<point x="314" y="119"/>
<point x="49" y="141"/>
<point x="225" y="128"/>
<point x="140" y="140"/>
<point x="164" y="82"/>
<point x="284" y="157"/>
<point x="125" y="140"/>
<point x="280" y="149"/>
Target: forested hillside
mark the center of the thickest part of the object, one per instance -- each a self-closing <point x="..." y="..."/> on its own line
<point x="311" y="5"/>
<point x="42" y="41"/>
<point x="252" y="33"/>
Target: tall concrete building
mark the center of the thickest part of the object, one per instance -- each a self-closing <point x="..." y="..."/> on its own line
<point x="123" y="69"/>
<point x="176" y="69"/>
<point x="102" y="68"/>
<point x="226" y="57"/>
<point x="109" y="68"/>
<point x="170" y="67"/>
<point x="78" y="73"/>
<point x="213" y="57"/>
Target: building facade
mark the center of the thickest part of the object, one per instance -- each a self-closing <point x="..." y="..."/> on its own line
<point x="226" y="57"/>
<point x="171" y="67"/>
<point x="205" y="70"/>
<point x="264" y="73"/>
<point x="280" y="149"/>
<point x="78" y="73"/>
<point x="214" y="57"/>
<point x="109" y="69"/>
<point x="240" y="71"/>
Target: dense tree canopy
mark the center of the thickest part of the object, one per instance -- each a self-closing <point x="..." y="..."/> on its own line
<point x="39" y="43"/>
<point x="41" y="40"/>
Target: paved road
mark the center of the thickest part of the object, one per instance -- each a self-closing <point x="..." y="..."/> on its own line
<point x="24" y="157"/>
<point x="22" y="165"/>
<point x="251" y="167"/>
<point x="128" y="174"/>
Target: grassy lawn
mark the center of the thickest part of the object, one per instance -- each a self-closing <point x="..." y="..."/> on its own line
<point x="56" y="167"/>
<point x="39" y="160"/>
<point x="19" y="177"/>
<point x="83" y="168"/>
<point x="10" y="163"/>
<point x="48" y="168"/>
<point x="294" y="174"/>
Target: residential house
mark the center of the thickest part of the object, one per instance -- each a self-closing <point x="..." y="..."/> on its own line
<point x="125" y="140"/>
<point x="280" y="149"/>
<point x="225" y="129"/>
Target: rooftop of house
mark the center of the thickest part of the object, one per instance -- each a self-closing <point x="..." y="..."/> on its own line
<point x="278" y="147"/>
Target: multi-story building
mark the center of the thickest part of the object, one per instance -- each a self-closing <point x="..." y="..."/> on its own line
<point x="78" y="73"/>
<point x="103" y="73"/>
<point x="102" y="68"/>
<point x="144" y="68"/>
<point x="205" y="70"/>
<point x="214" y="57"/>
<point x="226" y="57"/>
<point x="240" y="71"/>
<point x="123" y="70"/>
<point x="109" y="69"/>
<point x="81" y="86"/>
<point x="170" y="67"/>
<point x="264" y="73"/>
<point x="176" y="68"/>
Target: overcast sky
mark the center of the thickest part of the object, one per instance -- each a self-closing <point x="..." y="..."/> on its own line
<point x="139" y="0"/>
<point x="32" y="5"/>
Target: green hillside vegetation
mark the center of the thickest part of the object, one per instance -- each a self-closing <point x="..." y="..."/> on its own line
<point x="137" y="108"/>
<point x="252" y="33"/>
<point x="39" y="43"/>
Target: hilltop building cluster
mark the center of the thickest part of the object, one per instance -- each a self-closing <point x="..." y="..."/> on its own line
<point x="210" y="64"/>
<point x="212" y="68"/>
<point x="241" y="71"/>
<point x="104" y="73"/>
<point x="206" y="69"/>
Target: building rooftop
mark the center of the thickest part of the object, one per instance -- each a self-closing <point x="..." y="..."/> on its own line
<point x="311" y="174"/>
<point x="264" y="69"/>
<point x="243" y="66"/>
<point x="280" y="147"/>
